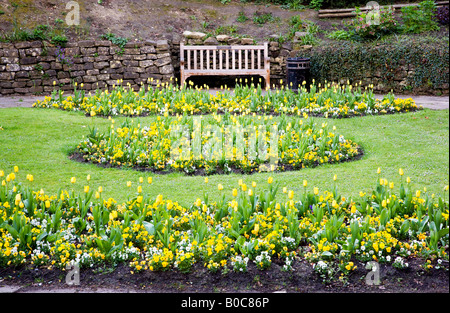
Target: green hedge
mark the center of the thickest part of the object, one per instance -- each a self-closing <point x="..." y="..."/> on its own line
<point x="426" y="59"/>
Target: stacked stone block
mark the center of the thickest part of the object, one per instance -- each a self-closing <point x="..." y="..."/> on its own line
<point x="35" y="68"/>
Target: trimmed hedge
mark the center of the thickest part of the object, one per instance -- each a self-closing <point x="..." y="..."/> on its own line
<point x="416" y="65"/>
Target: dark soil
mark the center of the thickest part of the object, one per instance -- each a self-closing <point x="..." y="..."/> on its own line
<point x="149" y="19"/>
<point x="302" y="280"/>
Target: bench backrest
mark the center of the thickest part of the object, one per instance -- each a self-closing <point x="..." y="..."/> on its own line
<point x="225" y="60"/>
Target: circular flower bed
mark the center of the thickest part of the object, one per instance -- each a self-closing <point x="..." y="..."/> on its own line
<point x="218" y="144"/>
<point x="330" y="100"/>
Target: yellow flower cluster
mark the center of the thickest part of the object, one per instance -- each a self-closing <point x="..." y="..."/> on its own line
<point x="159" y="234"/>
<point x="330" y="100"/>
<point x="225" y="143"/>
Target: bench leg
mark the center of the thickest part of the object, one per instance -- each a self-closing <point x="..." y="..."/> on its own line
<point x="182" y="78"/>
<point x="267" y="78"/>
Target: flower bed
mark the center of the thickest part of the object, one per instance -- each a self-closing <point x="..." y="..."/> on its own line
<point x="247" y="225"/>
<point x="218" y="144"/>
<point x="330" y="100"/>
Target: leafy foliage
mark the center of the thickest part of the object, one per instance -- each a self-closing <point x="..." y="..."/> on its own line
<point x="420" y="19"/>
<point x="442" y="15"/>
<point x="428" y="58"/>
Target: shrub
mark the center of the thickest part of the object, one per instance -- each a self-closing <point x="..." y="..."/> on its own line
<point x="242" y="18"/>
<point x="362" y="28"/>
<point x="442" y="15"/>
<point x="339" y="35"/>
<point x="344" y="60"/>
<point x="59" y="40"/>
<point x="420" y="19"/>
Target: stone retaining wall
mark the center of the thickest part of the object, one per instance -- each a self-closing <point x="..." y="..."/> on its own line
<point x="35" y="67"/>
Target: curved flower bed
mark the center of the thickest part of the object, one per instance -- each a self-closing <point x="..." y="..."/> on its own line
<point x="331" y="100"/>
<point x="224" y="144"/>
<point x="247" y="225"/>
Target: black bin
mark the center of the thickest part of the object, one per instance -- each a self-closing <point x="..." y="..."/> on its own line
<point x="298" y="71"/>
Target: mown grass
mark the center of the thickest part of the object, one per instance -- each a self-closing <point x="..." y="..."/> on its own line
<point x="40" y="140"/>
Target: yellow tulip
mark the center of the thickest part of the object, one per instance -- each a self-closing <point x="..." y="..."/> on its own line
<point x="270" y="180"/>
<point x="291" y="194"/>
<point x="73" y="180"/>
<point x="400" y="171"/>
<point x="235" y="192"/>
<point x="18" y="199"/>
<point x="220" y="187"/>
<point x="149" y="180"/>
<point x="305" y="183"/>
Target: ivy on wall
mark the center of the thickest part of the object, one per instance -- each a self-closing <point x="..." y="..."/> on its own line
<point x="418" y="63"/>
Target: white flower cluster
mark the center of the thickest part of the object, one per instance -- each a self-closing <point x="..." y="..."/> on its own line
<point x="185" y="245"/>
<point x="324" y="270"/>
<point x="263" y="260"/>
<point x="84" y="259"/>
<point x="127" y="253"/>
<point x="287" y="267"/>
<point x="400" y="263"/>
<point x="239" y="263"/>
<point x="288" y="242"/>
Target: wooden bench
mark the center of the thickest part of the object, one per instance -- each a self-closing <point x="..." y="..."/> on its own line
<point x="224" y="61"/>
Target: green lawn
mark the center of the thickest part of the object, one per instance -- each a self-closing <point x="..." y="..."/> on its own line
<point x="40" y="140"/>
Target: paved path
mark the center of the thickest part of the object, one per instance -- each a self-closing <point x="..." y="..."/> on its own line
<point x="430" y="102"/>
